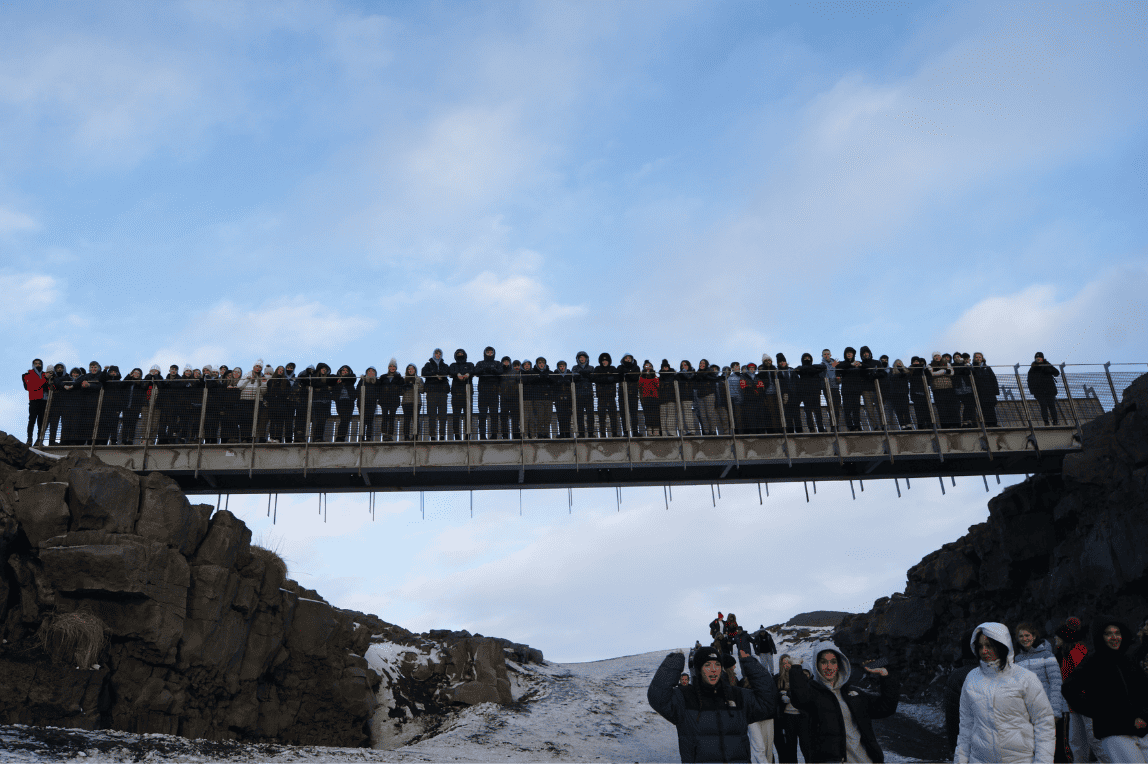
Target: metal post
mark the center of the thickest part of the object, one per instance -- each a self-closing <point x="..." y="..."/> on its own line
<point x="833" y="419"/>
<point x="626" y="413"/>
<point x="147" y="424"/>
<point x="362" y="423"/>
<point x="781" y="413"/>
<point x="96" y="424"/>
<point x="467" y="425"/>
<point x="933" y="415"/>
<point x="981" y="418"/>
<point x="254" y="425"/>
<point x="1071" y="404"/>
<point x="202" y="419"/>
<point x="681" y="423"/>
<point x="48" y="419"/>
<point x="1107" y="373"/>
<point x="884" y="419"/>
<point x="1024" y="408"/>
<point x="521" y="440"/>
<point x="574" y="422"/>
<point x="732" y="425"/>
<point x="307" y="431"/>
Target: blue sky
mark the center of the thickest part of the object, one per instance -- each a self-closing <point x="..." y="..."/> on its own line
<point x="217" y="182"/>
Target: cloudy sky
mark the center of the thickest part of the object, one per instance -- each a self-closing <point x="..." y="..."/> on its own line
<point x="215" y="182"/>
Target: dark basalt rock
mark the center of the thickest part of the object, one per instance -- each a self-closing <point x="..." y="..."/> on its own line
<point x="1055" y="545"/>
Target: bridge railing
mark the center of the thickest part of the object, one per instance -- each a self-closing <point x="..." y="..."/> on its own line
<point x="536" y="407"/>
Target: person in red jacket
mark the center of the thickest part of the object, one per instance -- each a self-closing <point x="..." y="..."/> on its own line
<point x="36" y="385"/>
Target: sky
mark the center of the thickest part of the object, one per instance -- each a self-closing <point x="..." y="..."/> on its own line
<point x="215" y="182"/>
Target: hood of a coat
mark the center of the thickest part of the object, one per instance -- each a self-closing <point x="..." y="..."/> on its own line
<point x="488" y="353"/>
<point x="866" y="352"/>
<point x="460" y="355"/>
<point x="1000" y="633"/>
<point x="605" y="357"/>
<point x="1103" y="622"/>
<point x="849" y="355"/>
<point x="844" y="667"/>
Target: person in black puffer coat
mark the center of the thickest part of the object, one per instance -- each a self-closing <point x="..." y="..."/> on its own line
<point x="1109" y="687"/>
<point x="488" y="371"/>
<point x="1042" y="384"/>
<point x="584" y="398"/>
<point x="809" y="390"/>
<point x="461" y="372"/>
<point x="436" y="376"/>
<point x="985" y="380"/>
<point x="852" y="385"/>
<point x="605" y="379"/>
<point x="835" y="735"/>
<point x="712" y="717"/>
<point x="628" y="372"/>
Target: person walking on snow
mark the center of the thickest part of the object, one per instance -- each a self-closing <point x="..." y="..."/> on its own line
<point x="712" y="717"/>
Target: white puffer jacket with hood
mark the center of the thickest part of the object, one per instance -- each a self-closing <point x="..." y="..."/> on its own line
<point x="1005" y="715"/>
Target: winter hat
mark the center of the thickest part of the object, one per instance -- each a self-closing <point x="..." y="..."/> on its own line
<point x="766" y="358"/>
<point x="707" y="654"/>
<point x="393" y="362"/>
<point x="187" y="367"/>
<point x="505" y="359"/>
<point x="154" y="367"/>
<point x="1038" y="355"/>
<point x="1072" y="630"/>
<point x="460" y="354"/>
<point x="605" y="357"/>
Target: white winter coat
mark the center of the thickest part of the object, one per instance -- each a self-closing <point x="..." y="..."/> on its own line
<point x="1040" y="661"/>
<point x="1005" y="715"/>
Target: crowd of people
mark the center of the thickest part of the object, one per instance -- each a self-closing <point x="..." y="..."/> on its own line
<point x="1021" y="700"/>
<point x="505" y="398"/>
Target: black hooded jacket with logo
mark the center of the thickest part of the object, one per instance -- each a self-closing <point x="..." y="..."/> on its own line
<point x="460" y="366"/>
<point x="488" y="370"/>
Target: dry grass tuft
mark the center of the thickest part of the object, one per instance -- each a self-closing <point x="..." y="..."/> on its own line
<point x="270" y="559"/>
<point x="76" y="638"/>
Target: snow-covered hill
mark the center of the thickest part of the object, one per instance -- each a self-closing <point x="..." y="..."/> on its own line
<point x="563" y="712"/>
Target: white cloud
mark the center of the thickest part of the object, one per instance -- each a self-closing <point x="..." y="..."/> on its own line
<point x="12" y="221"/>
<point x="228" y="333"/>
<point x="28" y="298"/>
<point x="1104" y="321"/>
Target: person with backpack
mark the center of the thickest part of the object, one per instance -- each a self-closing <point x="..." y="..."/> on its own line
<point x="712" y="716"/>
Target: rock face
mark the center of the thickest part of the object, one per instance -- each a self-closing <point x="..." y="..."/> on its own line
<point x="203" y="634"/>
<point x="1056" y="545"/>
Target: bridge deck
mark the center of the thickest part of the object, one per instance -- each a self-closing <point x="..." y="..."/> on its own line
<point x="485" y="464"/>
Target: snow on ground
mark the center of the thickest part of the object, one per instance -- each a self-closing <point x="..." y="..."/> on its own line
<point x="565" y="712"/>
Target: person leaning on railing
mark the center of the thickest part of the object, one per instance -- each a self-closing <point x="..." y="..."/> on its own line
<point x="563" y="398"/>
<point x="985" y="380"/>
<point x="391" y="388"/>
<point x="488" y="371"/>
<point x="412" y="401"/>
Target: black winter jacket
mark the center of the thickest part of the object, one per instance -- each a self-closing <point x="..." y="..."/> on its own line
<point x="1108" y="686"/>
<point x="709" y="727"/>
<point x="1041" y="380"/>
<point x="827" y="734"/>
<point x="488" y="370"/>
<point x="463" y="367"/>
<point x="436" y="375"/>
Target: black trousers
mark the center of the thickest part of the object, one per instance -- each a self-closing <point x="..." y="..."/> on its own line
<point x="436" y="412"/>
<point x="487" y="414"/>
<point x="459" y="405"/>
<point x="1048" y="409"/>
<point x="989" y="409"/>
<point x="811" y="402"/>
<point x="921" y="409"/>
<point x="851" y="409"/>
<point x="36" y="418"/>
<point x="565" y="410"/>
<point x="584" y="411"/>
<point x="608" y="407"/>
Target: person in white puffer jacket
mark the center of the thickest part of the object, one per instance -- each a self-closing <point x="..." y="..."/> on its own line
<point x="1005" y="714"/>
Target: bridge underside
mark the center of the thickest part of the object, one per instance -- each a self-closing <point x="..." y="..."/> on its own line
<point x="478" y="465"/>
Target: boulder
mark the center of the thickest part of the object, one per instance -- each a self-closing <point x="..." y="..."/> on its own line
<point x="168" y="517"/>
<point x="908" y="618"/>
<point x="313" y="626"/>
<point x="473" y="693"/>
<point x="227" y="538"/>
<point x="42" y="511"/>
<point x="102" y="497"/>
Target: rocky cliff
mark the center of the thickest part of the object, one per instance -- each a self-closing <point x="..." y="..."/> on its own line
<point x="123" y="606"/>
<point x="1073" y="543"/>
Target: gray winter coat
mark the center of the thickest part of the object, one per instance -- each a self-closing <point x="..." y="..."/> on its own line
<point x="712" y="726"/>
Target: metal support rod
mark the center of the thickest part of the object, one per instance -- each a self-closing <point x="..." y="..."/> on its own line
<point x="570" y="501"/>
<point x="254" y="425"/>
<point x="781" y="414"/>
<point x="48" y="421"/>
<point x="767" y="489"/>
<point x="362" y="423"/>
<point x="681" y="423"/>
<point x="307" y="431"/>
<point x="520" y="502"/>
<point x="227" y="503"/>
<point x="1107" y="373"/>
<point x="521" y="439"/>
<point x="147" y="424"/>
<point x="853" y="490"/>
<point x="1071" y="404"/>
<point x="933" y="415"/>
<point x="884" y="419"/>
<point x="732" y="425"/>
<point x="941" y="480"/>
<point x="981" y="415"/>
<point x="1024" y="408"/>
<point x="200" y="439"/>
<point x="897" y="483"/>
<point x="833" y="420"/>
<point x="814" y="487"/>
<point x="759" y="501"/>
<point x="665" y="497"/>
<point x="96" y="424"/>
<point x="907" y="484"/>
<point x="862" y="483"/>
<point x="986" y="479"/>
<point x="472" y="505"/>
<point x="275" y="511"/>
<point x="574" y="421"/>
<point x="269" y="505"/>
<point x="806" y="484"/>
<point x="618" y="496"/>
<point x="626" y="414"/>
<point x="953" y="478"/>
<point x="712" y="497"/>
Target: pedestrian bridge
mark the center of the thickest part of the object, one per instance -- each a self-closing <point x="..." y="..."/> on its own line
<point x="1020" y="444"/>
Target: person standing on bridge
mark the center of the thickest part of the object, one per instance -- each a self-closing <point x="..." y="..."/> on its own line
<point x="583" y="395"/>
<point x="461" y="372"/>
<point x="36" y="384"/>
<point x="563" y="398"/>
<point x="412" y="402"/>
<point x="711" y="715"/>
<point x="487" y="370"/>
<point x="985" y="380"/>
<point x="509" y="420"/>
<point x="436" y="374"/>
<point x="605" y="378"/>
<point x="1042" y="384"/>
